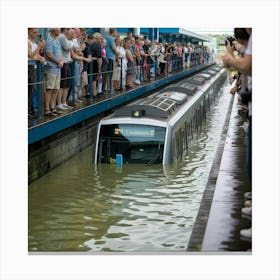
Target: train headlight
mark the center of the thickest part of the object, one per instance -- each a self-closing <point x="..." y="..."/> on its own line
<point x="137" y="113"/>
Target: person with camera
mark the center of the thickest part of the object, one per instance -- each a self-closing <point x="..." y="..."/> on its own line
<point x="244" y="65"/>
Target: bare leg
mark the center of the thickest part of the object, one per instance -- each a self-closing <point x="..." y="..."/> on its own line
<point x="64" y="95"/>
<point x="94" y="88"/>
<point x="59" y="96"/>
<point x="53" y="99"/>
<point x="107" y="86"/>
<point x="48" y="95"/>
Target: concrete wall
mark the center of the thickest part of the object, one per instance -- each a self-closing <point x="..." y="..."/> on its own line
<point x="55" y="150"/>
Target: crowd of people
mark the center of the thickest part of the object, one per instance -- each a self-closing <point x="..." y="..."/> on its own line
<point x="242" y="72"/>
<point x="108" y="63"/>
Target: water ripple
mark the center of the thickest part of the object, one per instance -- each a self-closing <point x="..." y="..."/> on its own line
<point x="78" y="207"/>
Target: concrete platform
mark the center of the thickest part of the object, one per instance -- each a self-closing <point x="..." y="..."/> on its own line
<point x="219" y="219"/>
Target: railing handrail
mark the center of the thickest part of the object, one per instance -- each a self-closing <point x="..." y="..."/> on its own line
<point x="176" y="65"/>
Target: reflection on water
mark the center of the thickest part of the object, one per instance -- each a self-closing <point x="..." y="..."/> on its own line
<point x="135" y="208"/>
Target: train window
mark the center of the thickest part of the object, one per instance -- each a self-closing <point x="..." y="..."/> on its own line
<point x="179" y="143"/>
<point x="137" y="143"/>
<point x="186" y="135"/>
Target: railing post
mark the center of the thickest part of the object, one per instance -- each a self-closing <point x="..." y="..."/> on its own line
<point x="38" y="91"/>
<point x="90" y="79"/>
<point x="140" y="70"/>
<point x="110" y="81"/>
<point x="73" y="82"/>
<point x="121" y="77"/>
<point x="155" y="66"/>
<point x="149" y="69"/>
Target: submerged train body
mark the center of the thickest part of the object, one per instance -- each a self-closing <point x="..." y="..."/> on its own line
<point x="158" y="128"/>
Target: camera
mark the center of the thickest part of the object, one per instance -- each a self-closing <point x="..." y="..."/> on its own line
<point x="230" y="39"/>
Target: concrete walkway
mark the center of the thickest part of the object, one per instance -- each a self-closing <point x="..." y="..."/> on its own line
<point x="219" y="219"/>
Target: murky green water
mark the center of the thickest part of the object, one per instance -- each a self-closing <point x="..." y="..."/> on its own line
<point x="138" y="208"/>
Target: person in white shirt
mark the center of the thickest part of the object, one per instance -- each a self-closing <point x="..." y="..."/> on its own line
<point x="33" y="56"/>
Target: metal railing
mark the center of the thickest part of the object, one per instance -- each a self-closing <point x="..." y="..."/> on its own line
<point x="142" y="69"/>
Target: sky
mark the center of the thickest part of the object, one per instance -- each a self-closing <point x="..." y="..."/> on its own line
<point x="211" y="30"/>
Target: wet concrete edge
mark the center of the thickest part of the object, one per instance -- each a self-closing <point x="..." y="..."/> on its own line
<point x="198" y="231"/>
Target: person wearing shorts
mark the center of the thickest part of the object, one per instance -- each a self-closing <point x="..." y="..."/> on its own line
<point x="111" y="53"/>
<point x="54" y="62"/>
<point x="65" y="82"/>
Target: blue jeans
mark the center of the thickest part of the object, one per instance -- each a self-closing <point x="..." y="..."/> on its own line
<point x="32" y="79"/>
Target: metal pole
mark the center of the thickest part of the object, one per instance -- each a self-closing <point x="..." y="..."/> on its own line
<point x="140" y="71"/>
<point x="155" y="66"/>
<point x="38" y="92"/>
<point x="121" y="78"/>
<point x="90" y="80"/>
<point x="110" y="78"/>
<point x="73" y="82"/>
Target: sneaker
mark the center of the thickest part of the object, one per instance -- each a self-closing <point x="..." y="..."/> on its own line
<point x="60" y="107"/>
<point x="248" y="195"/>
<point x="60" y="111"/>
<point x="137" y="82"/>
<point x="244" y="127"/>
<point x="32" y="115"/>
<point x="247" y="211"/>
<point x="246" y="234"/>
<point x="78" y="100"/>
<point x="67" y="106"/>
<point x="248" y="203"/>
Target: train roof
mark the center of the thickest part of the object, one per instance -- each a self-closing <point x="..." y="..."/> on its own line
<point x="205" y="75"/>
<point x="165" y="102"/>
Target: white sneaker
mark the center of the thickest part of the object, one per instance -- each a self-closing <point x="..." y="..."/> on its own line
<point x="248" y="195"/>
<point x="246" y="234"/>
<point x="60" y="107"/>
<point x="247" y="211"/>
<point x="137" y="82"/>
<point x="67" y="106"/>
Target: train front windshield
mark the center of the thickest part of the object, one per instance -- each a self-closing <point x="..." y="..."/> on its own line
<point x="136" y="143"/>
